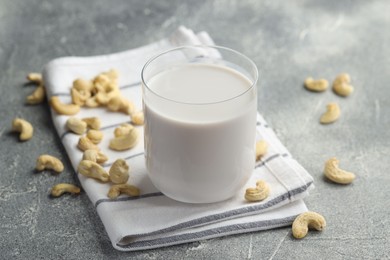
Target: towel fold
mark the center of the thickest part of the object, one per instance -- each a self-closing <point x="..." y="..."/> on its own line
<point x="153" y="220"/>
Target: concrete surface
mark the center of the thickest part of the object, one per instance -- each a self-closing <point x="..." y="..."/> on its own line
<point x="288" y="40"/>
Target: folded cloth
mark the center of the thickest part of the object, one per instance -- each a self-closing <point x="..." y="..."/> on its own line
<point x="153" y="220"/>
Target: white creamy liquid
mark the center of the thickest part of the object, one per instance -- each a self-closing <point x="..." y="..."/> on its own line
<point x="200" y="126"/>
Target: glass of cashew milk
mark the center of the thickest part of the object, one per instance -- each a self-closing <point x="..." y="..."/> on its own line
<point x="200" y="106"/>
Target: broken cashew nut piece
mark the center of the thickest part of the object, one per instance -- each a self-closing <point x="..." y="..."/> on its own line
<point x="119" y="189"/>
<point x="138" y="118"/>
<point x="95" y="136"/>
<point x="37" y="96"/>
<point x="63" y="109"/>
<point x="25" y="129"/>
<point x="48" y="162"/>
<point x="62" y="188"/>
<point x="341" y="85"/>
<point x="316" y="85"/>
<point x="125" y="142"/>
<point x="335" y="174"/>
<point x="92" y="122"/>
<point x="86" y="144"/>
<point x="305" y="221"/>
<point x="76" y="125"/>
<point x="261" y="149"/>
<point x="259" y="193"/>
<point x="95" y="156"/>
<point x="119" y="172"/>
<point x="93" y="170"/>
<point x="331" y="115"/>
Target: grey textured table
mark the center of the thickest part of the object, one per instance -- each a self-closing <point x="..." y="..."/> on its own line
<point x="288" y="41"/>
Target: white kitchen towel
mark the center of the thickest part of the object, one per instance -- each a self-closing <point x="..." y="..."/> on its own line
<point x="153" y="220"/>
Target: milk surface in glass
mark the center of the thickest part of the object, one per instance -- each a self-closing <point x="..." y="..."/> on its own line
<point x="200" y="131"/>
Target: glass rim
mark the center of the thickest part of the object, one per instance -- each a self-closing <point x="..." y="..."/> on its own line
<point x="256" y="73"/>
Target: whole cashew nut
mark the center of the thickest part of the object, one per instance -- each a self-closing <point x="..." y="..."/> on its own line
<point x="35" y="78"/>
<point x="93" y="170"/>
<point x="307" y="220"/>
<point x="118" y="189"/>
<point x="259" y="193"/>
<point x="63" y="109"/>
<point x="316" y="85"/>
<point x="123" y="129"/>
<point x="25" y="129"/>
<point x="62" y="188"/>
<point x="341" y="85"/>
<point x="125" y="142"/>
<point x="76" y="125"/>
<point x="119" y="172"/>
<point x="95" y="156"/>
<point x="331" y="115"/>
<point x="86" y="144"/>
<point x="95" y="136"/>
<point x="48" y="162"/>
<point x="37" y="96"/>
<point x="335" y="174"/>
<point x="92" y="122"/>
<point x="138" y="118"/>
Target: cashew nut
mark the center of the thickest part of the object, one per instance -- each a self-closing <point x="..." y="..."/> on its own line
<point x="25" y="129"/>
<point x="335" y="174"/>
<point x="79" y="97"/>
<point x="93" y="170"/>
<point x="119" y="172"/>
<point x="92" y="122"/>
<point x="259" y="193"/>
<point x="341" y="85"/>
<point x="86" y="144"/>
<point x="331" y="115"/>
<point x="91" y="102"/>
<point x="95" y="136"/>
<point x="307" y="220"/>
<point x="76" y="125"/>
<point x="121" y="104"/>
<point x="123" y="129"/>
<point x="316" y="85"/>
<point x="37" y="96"/>
<point x="101" y="81"/>
<point x="95" y="156"/>
<point x="62" y="188"/>
<point x="83" y="85"/>
<point x="118" y="189"/>
<point x="124" y="142"/>
<point x="138" y="118"/>
<point x="63" y="109"/>
<point x="261" y="149"/>
<point x="48" y="162"/>
<point x="112" y="74"/>
<point x="35" y="78"/>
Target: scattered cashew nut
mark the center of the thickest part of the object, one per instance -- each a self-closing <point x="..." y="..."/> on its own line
<point x="123" y="129"/>
<point x="83" y="85"/>
<point x="48" y="162"/>
<point x="335" y="174"/>
<point x="261" y="149"/>
<point x="259" y="193"/>
<point x="331" y="115"/>
<point x="138" y="118"/>
<point x="37" y="96"/>
<point x="76" y="125"/>
<point x="35" y="77"/>
<point x="118" y="189"/>
<point x="95" y="136"/>
<point x="341" y="85"/>
<point x="95" y="156"/>
<point x="307" y="220"/>
<point x="316" y="85"/>
<point x="92" y="122"/>
<point x="79" y="97"/>
<point x="86" y="144"/>
<point x="63" y="109"/>
<point x="125" y="142"/>
<point x="119" y="172"/>
<point x="25" y="129"/>
<point x="93" y="170"/>
<point x="62" y="188"/>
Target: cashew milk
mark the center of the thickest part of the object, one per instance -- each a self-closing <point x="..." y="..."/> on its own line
<point x="200" y="124"/>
